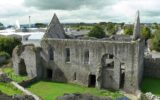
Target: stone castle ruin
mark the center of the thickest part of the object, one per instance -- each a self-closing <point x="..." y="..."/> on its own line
<point x="109" y="63"/>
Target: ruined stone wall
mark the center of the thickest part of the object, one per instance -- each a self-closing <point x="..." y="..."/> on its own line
<point x="26" y="58"/>
<point x="127" y="53"/>
<point x="152" y="67"/>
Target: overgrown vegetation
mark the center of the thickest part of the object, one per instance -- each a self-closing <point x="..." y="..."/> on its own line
<point x="97" y="32"/>
<point x="10" y="73"/>
<point x="111" y="28"/>
<point x="151" y="85"/>
<point x="128" y="30"/>
<point x="9" y="89"/>
<point x="7" y="44"/>
<point x="145" y="32"/>
<point x="155" y="41"/>
<point x="49" y="90"/>
<point x="4" y="54"/>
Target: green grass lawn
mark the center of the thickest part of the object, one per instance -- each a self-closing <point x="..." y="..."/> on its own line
<point x="50" y="90"/>
<point x="10" y="73"/>
<point x="9" y="89"/>
<point x="151" y="85"/>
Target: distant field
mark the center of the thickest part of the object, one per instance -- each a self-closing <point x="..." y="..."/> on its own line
<point x="9" y="89"/>
<point x="50" y="90"/>
<point x="151" y="85"/>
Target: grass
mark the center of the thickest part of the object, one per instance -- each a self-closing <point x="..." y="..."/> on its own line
<point x="10" y="73"/>
<point x="151" y="85"/>
<point x="50" y="90"/>
<point x="9" y="89"/>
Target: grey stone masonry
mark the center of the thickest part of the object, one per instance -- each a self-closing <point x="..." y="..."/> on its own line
<point x="104" y="63"/>
<point x="55" y="29"/>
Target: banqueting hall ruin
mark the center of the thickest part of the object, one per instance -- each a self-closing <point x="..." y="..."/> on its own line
<point x="108" y="63"/>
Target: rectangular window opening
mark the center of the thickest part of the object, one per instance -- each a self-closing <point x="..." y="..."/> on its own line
<point x="67" y="50"/>
<point x="86" y="57"/>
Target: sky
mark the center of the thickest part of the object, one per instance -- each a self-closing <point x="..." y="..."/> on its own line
<point x="72" y="11"/>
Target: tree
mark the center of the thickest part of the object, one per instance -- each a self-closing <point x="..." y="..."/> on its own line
<point x="7" y="44"/>
<point x="145" y="32"/>
<point x="1" y="26"/>
<point x="128" y="30"/>
<point x="111" y="28"/>
<point x="97" y="32"/>
<point x="40" y="25"/>
<point x="155" y="41"/>
<point x="155" y="26"/>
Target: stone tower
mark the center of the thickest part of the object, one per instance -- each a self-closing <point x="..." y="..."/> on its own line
<point x="136" y="30"/>
<point x="55" y="29"/>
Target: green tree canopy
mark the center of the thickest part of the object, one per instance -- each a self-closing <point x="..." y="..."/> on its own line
<point x="155" y="41"/>
<point x="145" y="32"/>
<point x="128" y="30"/>
<point x="111" y="28"/>
<point x="155" y="26"/>
<point x="97" y="32"/>
<point x="7" y="44"/>
<point x="40" y="25"/>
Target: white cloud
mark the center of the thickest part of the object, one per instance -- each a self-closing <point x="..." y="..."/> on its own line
<point x="79" y="11"/>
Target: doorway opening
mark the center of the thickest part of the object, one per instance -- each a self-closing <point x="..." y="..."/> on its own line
<point x="49" y="73"/>
<point x="22" y="68"/>
<point x="75" y="76"/>
<point x="92" y="80"/>
<point x="122" y="75"/>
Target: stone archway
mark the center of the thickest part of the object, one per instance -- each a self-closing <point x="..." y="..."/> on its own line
<point x="111" y="71"/>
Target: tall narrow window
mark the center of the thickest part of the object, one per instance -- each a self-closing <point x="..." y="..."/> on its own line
<point x="50" y="53"/>
<point x="67" y="51"/>
<point x="86" y="57"/>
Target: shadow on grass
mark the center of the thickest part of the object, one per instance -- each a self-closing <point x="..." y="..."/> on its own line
<point x="151" y="85"/>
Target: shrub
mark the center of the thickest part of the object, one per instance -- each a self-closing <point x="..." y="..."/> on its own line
<point x="111" y="28"/>
<point x="128" y="30"/>
<point x="97" y="32"/>
<point x="5" y="54"/>
<point x="145" y="32"/>
<point x="7" y="44"/>
<point x="155" y="41"/>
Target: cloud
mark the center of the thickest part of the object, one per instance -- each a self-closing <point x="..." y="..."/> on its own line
<point x="13" y="9"/>
<point x="67" y="4"/>
<point x="79" y="10"/>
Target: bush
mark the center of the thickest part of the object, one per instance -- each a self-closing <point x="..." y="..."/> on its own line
<point x="111" y="28"/>
<point x="145" y="32"/>
<point x="128" y="30"/>
<point x="155" y="41"/>
<point x="97" y="32"/>
<point x="7" y="44"/>
<point x="5" y="54"/>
